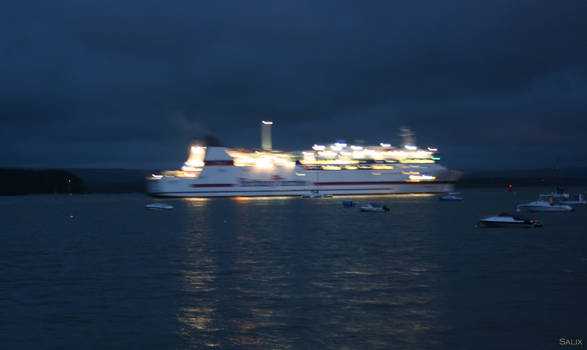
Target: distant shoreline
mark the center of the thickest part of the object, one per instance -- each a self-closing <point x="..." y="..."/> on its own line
<point x="521" y="183"/>
<point x="21" y="181"/>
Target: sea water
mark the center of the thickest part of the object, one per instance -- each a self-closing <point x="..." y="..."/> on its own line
<point x="102" y="272"/>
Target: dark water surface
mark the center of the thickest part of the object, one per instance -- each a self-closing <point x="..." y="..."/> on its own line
<point x="288" y="274"/>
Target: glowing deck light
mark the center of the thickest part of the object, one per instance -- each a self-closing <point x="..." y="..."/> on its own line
<point x="266" y="122"/>
<point x="432" y="149"/>
<point x="337" y="161"/>
<point x="410" y="147"/>
<point x="327" y="154"/>
<point x="382" y="166"/>
<point x="378" y="155"/>
<point x="418" y="178"/>
<point x="335" y="148"/>
<point x="422" y="154"/>
<point x="308" y="153"/>
<point x="417" y="161"/>
<point x="356" y="148"/>
<point x="264" y="163"/>
<point x="318" y="147"/>
<point x="383" y="144"/>
<point x="196" y="157"/>
<point x="156" y="176"/>
<point x="285" y="163"/>
<point x="340" y="144"/>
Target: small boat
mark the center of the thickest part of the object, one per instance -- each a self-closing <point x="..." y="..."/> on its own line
<point x="313" y="194"/>
<point x="158" y="205"/>
<point x="545" y="206"/>
<point x="451" y="197"/>
<point x="509" y="220"/>
<point x="316" y="194"/>
<point x="374" y="207"/>
<point x="578" y="200"/>
<point x="562" y="197"/>
<point x="348" y="203"/>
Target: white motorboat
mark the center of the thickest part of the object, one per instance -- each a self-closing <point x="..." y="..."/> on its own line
<point x="313" y="194"/>
<point x="509" y="220"/>
<point x="157" y="205"/>
<point x="317" y="194"/>
<point x="562" y="197"/>
<point x="374" y="207"/>
<point x="545" y="206"/>
<point x="451" y="197"/>
<point x="578" y="200"/>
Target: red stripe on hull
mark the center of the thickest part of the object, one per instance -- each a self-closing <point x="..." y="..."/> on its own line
<point x="351" y="183"/>
<point x="384" y="183"/>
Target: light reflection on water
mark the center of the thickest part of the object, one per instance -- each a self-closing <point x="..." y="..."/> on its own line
<point x="275" y="273"/>
<point x="287" y="273"/>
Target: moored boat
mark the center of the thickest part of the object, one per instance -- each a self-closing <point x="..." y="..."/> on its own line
<point x="563" y="197"/>
<point x="545" y="206"/>
<point x="374" y="207"/>
<point x="158" y="205"/>
<point x="509" y="220"/>
<point x="451" y="197"/>
<point x="316" y="194"/>
<point x="577" y="200"/>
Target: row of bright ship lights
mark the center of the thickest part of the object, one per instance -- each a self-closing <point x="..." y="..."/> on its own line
<point x="338" y="156"/>
<point x="339" y="150"/>
<point x="337" y="146"/>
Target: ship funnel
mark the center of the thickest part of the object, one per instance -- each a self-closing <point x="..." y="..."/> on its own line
<point x="407" y="136"/>
<point x="266" y="135"/>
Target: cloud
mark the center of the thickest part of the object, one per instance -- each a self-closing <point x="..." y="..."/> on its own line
<point x="115" y="77"/>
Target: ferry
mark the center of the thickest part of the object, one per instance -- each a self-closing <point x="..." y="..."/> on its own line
<point x="340" y="168"/>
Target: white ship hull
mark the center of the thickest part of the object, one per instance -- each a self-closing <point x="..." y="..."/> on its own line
<point x="230" y="180"/>
<point x="356" y="190"/>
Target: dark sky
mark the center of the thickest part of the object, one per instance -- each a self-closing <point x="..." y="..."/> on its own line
<point x="128" y="83"/>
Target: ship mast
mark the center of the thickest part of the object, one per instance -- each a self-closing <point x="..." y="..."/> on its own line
<point x="407" y="136"/>
<point x="266" y="135"/>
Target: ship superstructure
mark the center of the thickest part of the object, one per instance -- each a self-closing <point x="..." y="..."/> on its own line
<point x="339" y="168"/>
